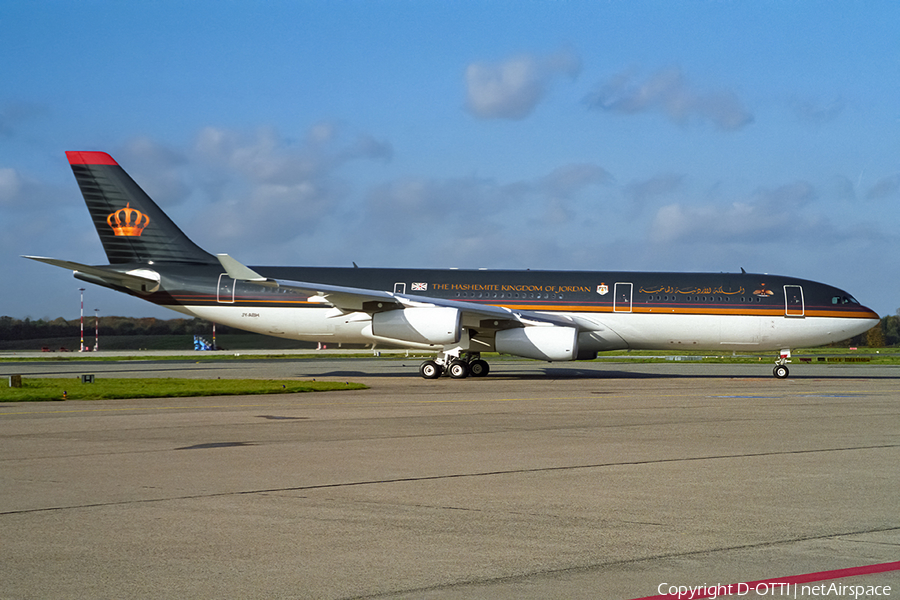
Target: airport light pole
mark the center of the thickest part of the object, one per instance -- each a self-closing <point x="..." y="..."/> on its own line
<point x="82" y="319"/>
<point x="96" y="329"/>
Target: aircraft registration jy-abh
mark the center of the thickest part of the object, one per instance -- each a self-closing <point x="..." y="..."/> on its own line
<point x="459" y="314"/>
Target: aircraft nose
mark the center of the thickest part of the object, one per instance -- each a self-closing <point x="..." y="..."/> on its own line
<point x="869" y="313"/>
<point x="869" y="316"/>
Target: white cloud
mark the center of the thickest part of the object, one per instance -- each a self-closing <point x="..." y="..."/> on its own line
<point x="479" y="222"/>
<point x="639" y="194"/>
<point x="884" y="188"/>
<point x="158" y="169"/>
<point x="322" y="132"/>
<point x="568" y="180"/>
<point x="771" y="216"/>
<point x="815" y="112"/>
<point x="512" y="89"/>
<point x="273" y="191"/>
<point x="10" y="185"/>
<point x="668" y="92"/>
<point x="680" y="223"/>
<point x="261" y="157"/>
<point x="407" y="211"/>
<point x="265" y="157"/>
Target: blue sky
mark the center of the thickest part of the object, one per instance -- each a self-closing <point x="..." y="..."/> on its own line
<point x="686" y="136"/>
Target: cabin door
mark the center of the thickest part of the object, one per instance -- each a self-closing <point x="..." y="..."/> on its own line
<point x="225" y="289"/>
<point x="622" y="297"/>
<point x="793" y="301"/>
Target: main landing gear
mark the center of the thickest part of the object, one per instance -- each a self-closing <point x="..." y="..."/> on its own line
<point x="456" y="366"/>
<point x="781" y="371"/>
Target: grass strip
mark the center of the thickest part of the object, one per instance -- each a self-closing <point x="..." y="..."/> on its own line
<point x="50" y="389"/>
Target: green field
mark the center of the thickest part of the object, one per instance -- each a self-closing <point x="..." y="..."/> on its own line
<point x="55" y="389"/>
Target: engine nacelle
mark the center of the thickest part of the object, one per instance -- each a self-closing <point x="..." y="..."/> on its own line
<point x="542" y="343"/>
<point x="426" y="325"/>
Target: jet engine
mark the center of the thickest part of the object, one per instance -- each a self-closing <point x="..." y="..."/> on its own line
<point x="541" y="343"/>
<point x="425" y="325"/>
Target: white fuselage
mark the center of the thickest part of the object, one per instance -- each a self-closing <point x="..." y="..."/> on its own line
<point x="605" y="331"/>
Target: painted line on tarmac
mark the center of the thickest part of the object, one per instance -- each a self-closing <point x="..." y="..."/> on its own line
<point x="446" y="476"/>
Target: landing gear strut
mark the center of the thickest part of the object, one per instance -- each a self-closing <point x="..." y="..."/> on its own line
<point x="781" y="371"/>
<point x="454" y="364"/>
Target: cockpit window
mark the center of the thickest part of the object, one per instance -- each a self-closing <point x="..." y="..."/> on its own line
<point x="843" y="300"/>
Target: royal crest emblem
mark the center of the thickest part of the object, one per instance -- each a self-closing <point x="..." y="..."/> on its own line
<point x="128" y="222"/>
<point x="602" y="289"/>
<point x="763" y="292"/>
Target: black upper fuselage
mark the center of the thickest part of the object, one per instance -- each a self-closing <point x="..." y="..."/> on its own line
<point x="557" y="291"/>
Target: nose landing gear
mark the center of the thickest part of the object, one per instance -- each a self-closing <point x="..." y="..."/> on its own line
<point x="781" y="371"/>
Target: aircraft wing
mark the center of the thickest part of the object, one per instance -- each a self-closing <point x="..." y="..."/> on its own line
<point x="479" y="316"/>
<point x="350" y="299"/>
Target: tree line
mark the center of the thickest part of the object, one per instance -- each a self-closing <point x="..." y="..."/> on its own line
<point x="28" y="329"/>
<point x="883" y="335"/>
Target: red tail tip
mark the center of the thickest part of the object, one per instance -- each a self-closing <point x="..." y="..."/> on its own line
<point x="90" y="158"/>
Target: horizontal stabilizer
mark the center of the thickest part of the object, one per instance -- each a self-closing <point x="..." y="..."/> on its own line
<point x="139" y="280"/>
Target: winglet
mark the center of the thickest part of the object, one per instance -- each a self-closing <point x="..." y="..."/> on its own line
<point x="241" y="272"/>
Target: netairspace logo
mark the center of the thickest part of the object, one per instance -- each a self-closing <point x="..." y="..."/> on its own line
<point x="776" y="589"/>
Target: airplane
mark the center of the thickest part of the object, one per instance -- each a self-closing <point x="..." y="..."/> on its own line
<point x="458" y="314"/>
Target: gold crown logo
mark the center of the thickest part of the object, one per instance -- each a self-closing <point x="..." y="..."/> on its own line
<point x="128" y="221"/>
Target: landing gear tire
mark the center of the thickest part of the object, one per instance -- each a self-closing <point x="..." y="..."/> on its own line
<point x="781" y="372"/>
<point x="479" y="368"/>
<point x="458" y="369"/>
<point x="430" y="370"/>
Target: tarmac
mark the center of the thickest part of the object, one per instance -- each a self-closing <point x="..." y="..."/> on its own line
<point x="588" y="480"/>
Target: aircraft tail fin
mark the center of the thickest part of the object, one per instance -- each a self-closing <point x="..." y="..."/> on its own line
<point x="132" y="228"/>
